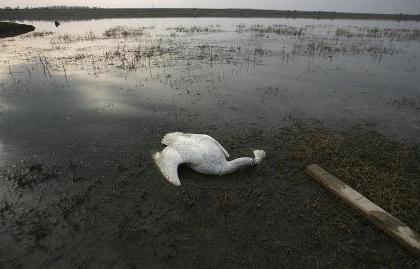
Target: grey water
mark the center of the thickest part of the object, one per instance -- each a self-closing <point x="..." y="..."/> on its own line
<point x="104" y="88"/>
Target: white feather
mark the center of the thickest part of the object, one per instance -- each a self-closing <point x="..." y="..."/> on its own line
<point x="200" y="152"/>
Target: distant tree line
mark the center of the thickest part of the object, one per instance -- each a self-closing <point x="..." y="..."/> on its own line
<point x="83" y="12"/>
<point x="52" y="7"/>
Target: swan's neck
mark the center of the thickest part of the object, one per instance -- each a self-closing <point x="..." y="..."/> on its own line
<point x="236" y="164"/>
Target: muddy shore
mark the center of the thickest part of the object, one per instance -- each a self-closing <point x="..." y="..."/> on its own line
<point x="78" y="213"/>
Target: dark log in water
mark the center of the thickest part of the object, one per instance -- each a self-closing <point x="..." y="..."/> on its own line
<point x="10" y="29"/>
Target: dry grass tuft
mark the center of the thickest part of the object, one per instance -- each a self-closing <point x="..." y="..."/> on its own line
<point x="387" y="172"/>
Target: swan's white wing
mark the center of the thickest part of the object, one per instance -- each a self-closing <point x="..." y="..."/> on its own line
<point x="217" y="144"/>
<point x="168" y="161"/>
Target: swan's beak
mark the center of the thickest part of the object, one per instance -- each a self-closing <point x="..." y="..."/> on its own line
<point x="259" y="155"/>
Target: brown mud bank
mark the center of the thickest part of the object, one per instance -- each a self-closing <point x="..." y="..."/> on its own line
<point x="11" y="29"/>
<point x="76" y="213"/>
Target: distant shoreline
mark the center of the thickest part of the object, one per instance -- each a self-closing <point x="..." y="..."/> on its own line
<point x="105" y="13"/>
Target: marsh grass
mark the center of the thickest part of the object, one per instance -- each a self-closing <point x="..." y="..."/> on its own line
<point x="133" y="48"/>
<point x="162" y="53"/>
<point x="196" y="29"/>
<point x="126" y="32"/>
<point x="117" y="32"/>
<point x="373" y="42"/>
<point x="379" y="33"/>
<point x="328" y="48"/>
<point x="39" y="34"/>
<point x="140" y="56"/>
<point x="385" y="171"/>
<point x="277" y="29"/>
<point x="69" y="38"/>
<point x="137" y="47"/>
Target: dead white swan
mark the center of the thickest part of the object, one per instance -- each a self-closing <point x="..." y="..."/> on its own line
<point x="201" y="153"/>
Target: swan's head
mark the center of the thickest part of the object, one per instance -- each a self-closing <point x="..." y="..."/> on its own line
<point x="259" y="156"/>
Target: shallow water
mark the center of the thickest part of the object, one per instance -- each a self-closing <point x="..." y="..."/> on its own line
<point x="75" y="93"/>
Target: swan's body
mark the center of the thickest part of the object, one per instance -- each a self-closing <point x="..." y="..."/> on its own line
<point x="201" y="153"/>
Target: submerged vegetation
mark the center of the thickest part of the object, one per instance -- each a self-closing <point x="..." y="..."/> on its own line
<point x="387" y="33"/>
<point x="272" y="29"/>
<point x="125" y="32"/>
<point x="68" y="38"/>
<point x="38" y="34"/>
<point x="329" y="49"/>
<point x="195" y="29"/>
<point x="139" y="48"/>
<point x="373" y="42"/>
<point x="140" y="56"/>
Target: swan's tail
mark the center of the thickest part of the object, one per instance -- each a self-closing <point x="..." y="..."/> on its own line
<point x="259" y="155"/>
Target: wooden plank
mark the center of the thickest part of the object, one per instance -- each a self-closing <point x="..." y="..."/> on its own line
<point x="382" y="219"/>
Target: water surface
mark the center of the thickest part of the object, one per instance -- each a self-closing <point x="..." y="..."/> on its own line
<point x="80" y="91"/>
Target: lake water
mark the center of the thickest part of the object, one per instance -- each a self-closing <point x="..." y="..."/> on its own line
<point x="83" y="91"/>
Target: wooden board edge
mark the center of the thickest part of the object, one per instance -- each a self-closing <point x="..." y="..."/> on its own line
<point x="378" y="216"/>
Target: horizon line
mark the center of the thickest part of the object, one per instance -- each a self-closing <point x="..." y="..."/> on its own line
<point x="193" y="8"/>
